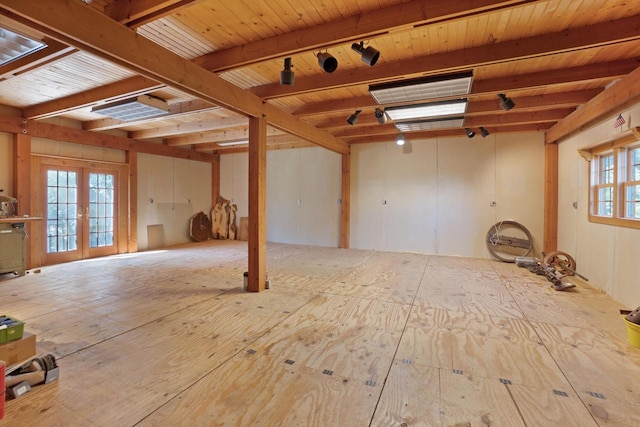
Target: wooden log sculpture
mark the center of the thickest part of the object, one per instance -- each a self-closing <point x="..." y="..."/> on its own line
<point x="220" y="219"/>
<point x="200" y="227"/>
<point x="233" y="229"/>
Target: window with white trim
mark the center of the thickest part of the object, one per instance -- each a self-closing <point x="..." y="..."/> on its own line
<point x="614" y="196"/>
<point x="604" y="190"/>
<point x="631" y="187"/>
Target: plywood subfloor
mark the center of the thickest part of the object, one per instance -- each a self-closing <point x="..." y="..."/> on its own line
<point x="342" y="338"/>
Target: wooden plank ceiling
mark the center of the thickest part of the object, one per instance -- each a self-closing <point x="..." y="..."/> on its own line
<point x="550" y="57"/>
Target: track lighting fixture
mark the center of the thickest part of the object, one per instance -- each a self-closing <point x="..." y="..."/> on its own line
<point x="381" y="117"/>
<point x="470" y="133"/>
<point x="400" y="139"/>
<point x="369" y="55"/>
<point x="353" y="118"/>
<point x="327" y="62"/>
<point x="506" y="103"/>
<point x="484" y="132"/>
<point x="287" y="76"/>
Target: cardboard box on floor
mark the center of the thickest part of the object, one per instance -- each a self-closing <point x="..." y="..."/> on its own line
<point x="17" y="351"/>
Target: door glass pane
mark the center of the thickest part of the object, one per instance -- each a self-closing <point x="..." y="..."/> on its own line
<point x="61" y="209"/>
<point x="101" y="208"/>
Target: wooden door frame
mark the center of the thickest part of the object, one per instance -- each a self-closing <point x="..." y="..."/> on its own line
<point x="38" y="246"/>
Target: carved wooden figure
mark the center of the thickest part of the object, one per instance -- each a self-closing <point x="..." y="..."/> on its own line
<point x="233" y="229"/>
<point x="220" y="219"/>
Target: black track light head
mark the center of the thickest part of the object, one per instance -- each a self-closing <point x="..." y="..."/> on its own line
<point x="470" y="133"/>
<point x="369" y="54"/>
<point x="327" y="62"/>
<point x="287" y="76"/>
<point x="506" y="103"/>
<point x="381" y="117"/>
<point x="484" y="132"/>
<point x="353" y="118"/>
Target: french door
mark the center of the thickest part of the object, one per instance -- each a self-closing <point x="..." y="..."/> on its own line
<point x="81" y="213"/>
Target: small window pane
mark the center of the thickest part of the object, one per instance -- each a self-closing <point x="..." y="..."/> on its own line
<point x="605" y="201"/>
<point x="607" y="170"/>
<point x="633" y="202"/>
<point x="52" y="178"/>
<point x="635" y="164"/>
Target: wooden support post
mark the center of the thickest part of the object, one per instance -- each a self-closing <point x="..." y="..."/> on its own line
<point x="550" y="240"/>
<point x="257" y="203"/>
<point x="22" y="182"/>
<point x="22" y="172"/>
<point x="132" y="238"/>
<point x="345" y="206"/>
<point x="215" y="179"/>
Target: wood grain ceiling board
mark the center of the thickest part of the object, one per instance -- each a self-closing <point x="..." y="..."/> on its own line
<point x="202" y="29"/>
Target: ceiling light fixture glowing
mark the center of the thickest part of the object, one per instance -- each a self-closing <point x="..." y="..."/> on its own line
<point x="433" y="109"/>
<point x="231" y="143"/>
<point x="430" y="124"/>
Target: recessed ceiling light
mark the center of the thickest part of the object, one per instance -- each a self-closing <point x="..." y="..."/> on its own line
<point x="229" y="144"/>
<point x="422" y="88"/>
<point x="140" y="107"/>
<point x="432" y="109"/>
<point x="430" y="124"/>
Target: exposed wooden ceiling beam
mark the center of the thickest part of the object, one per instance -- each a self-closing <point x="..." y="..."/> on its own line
<point x="553" y="43"/>
<point x="535" y="102"/>
<point x="70" y="22"/>
<point x="274" y="142"/>
<point x="40" y="129"/>
<point x="201" y="128"/>
<point x="362" y="26"/>
<point x="219" y="136"/>
<point x="111" y="92"/>
<point x="510" y="118"/>
<point x="605" y="71"/>
<point x="134" y="13"/>
<point x="187" y="128"/>
<point x="447" y="133"/>
<point x="623" y="93"/>
<point x="526" y="103"/>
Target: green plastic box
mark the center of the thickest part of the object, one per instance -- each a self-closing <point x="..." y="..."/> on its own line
<point x="13" y="332"/>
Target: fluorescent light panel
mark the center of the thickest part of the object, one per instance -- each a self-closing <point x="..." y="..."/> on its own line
<point x="422" y="88"/>
<point x="229" y="144"/>
<point x="433" y="109"/>
<point x="14" y="46"/>
<point x="140" y="107"/>
<point x="430" y="124"/>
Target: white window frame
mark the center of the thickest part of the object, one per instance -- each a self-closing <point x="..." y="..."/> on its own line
<point x="618" y="181"/>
